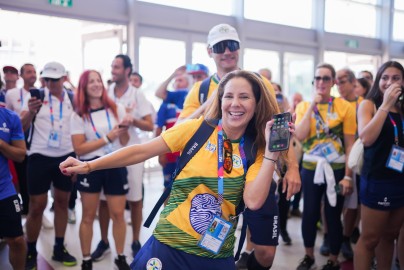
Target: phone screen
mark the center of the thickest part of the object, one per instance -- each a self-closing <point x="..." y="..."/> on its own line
<point x="35" y="93"/>
<point x="280" y="134"/>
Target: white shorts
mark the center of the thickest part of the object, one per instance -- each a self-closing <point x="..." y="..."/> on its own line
<point x="135" y="182"/>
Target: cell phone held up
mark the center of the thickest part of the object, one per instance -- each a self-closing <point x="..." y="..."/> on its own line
<point x="35" y="93"/>
<point x="279" y="133"/>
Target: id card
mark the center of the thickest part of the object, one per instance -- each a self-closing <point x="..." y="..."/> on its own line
<point x="329" y="152"/>
<point x="54" y="139"/>
<point x="215" y="235"/>
<point x="396" y="159"/>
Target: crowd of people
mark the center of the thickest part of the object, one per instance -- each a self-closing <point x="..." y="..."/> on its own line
<point x="87" y="139"/>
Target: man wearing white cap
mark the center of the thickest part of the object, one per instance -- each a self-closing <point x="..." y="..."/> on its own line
<point x="49" y="117"/>
<point x="223" y="48"/>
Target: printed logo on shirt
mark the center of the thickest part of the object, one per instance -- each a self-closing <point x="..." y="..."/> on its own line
<point x="384" y="203"/>
<point x="4" y="128"/>
<point x="210" y="147"/>
<point x="154" y="264"/>
<point x="237" y="162"/>
<point x="84" y="183"/>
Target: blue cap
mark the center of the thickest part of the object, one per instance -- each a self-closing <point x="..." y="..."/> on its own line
<point x="197" y="68"/>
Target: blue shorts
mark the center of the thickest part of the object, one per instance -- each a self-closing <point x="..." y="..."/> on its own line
<point x="264" y="222"/>
<point x="382" y="194"/>
<point x="156" y="255"/>
<point x="168" y="171"/>
<point x="112" y="181"/>
<point x="43" y="170"/>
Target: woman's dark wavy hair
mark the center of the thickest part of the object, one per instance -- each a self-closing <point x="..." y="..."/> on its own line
<point x="375" y="94"/>
<point x="365" y="84"/>
<point x="266" y="105"/>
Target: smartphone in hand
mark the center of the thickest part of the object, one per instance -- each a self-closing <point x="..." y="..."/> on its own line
<point x="280" y="134"/>
<point x="35" y="93"/>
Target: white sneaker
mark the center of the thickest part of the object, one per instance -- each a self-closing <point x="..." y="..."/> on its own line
<point x="71" y="216"/>
<point x="46" y="224"/>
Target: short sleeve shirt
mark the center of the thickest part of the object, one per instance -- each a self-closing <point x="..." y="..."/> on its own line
<point x="15" y="98"/>
<point x="192" y="202"/>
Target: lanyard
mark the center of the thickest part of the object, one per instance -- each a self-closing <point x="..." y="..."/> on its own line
<point x="92" y="124"/>
<point x="395" y="128"/>
<point x="21" y="100"/>
<point x="220" y="169"/>
<point x="319" y="120"/>
<point x="52" y="118"/>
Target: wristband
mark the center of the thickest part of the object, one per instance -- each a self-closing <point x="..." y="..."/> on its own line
<point x="347" y="178"/>
<point x="88" y="166"/>
<point x="270" y="159"/>
<point x="109" y="140"/>
<point x="106" y="139"/>
<point x="384" y="110"/>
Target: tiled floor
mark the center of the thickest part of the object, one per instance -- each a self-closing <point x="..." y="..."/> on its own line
<point x="287" y="257"/>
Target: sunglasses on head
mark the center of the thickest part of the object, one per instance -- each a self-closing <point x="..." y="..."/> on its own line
<point x="221" y="46"/>
<point x="51" y="79"/>
<point x="324" y="78"/>
<point x="228" y="156"/>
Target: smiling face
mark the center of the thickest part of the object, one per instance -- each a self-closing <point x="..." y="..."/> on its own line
<point x="390" y="75"/>
<point x="323" y="81"/>
<point x="95" y="88"/>
<point x="238" y="106"/>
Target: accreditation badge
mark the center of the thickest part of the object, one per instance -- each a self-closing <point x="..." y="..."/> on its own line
<point x="329" y="152"/>
<point x="214" y="237"/>
<point x="396" y="159"/>
<point x="54" y="139"/>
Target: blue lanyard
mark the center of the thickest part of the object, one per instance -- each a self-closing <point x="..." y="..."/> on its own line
<point x="21" y="100"/>
<point x="220" y="169"/>
<point x="396" y="129"/>
<point x="92" y="124"/>
<point x="60" y="110"/>
<point x="319" y="120"/>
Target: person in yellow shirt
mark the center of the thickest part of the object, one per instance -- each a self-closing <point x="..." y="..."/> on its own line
<point x="322" y="125"/>
<point x="205" y="192"/>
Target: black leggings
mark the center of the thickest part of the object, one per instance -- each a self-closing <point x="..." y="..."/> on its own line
<point x="313" y="195"/>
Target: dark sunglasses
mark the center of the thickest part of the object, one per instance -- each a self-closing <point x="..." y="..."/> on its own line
<point x="51" y="79"/>
<point x="324" y="78"/>
<point x="221" y="46"/>
<point x="228" y="156"/>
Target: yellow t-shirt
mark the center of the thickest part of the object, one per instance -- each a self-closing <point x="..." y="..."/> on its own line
<point x="341" y="120"/>
<point x="193" y="100"/>
<point x="192" y="202"/>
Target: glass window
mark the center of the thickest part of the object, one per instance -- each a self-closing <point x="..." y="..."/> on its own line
<point x="158" y="58"/>
<point x="200" y="55"/>
<point x="351" y="17"/>
<point x="256" y="59"/>
<point x="223" y="7"/>
<point x="398" y="22"/>
<point x="298" y="74"/>
<point x="299" y="13"/>
<point x="399" y="4"/>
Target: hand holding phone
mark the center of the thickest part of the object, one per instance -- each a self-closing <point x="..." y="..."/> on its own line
<point x="280" y="134"/>
<point x="35" y="93"/>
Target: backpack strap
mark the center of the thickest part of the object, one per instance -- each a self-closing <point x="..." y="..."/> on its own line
<point x="204" y="90"/>
<point x="191" y="148"/>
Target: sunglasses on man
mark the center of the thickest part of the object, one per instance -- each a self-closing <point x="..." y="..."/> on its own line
<point x="221" y="46"/>
<point x="324" y="79"/>
<point x="51" y="79"/>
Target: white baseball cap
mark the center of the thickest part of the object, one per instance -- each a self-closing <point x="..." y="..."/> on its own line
<point x="53" y="70"/>
<point x="222" y="32"/>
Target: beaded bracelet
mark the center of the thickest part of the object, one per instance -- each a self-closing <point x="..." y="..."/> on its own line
<point x="270" y="159"/>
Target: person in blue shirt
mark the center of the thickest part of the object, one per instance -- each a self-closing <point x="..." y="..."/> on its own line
<point x="12" y="146"/>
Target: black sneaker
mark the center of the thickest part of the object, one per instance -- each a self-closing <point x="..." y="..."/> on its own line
<point x="30" y="261"/>
<point x="121" y="263"/>
<point x="325" y="247"/>
<point x="346" y="249"/>
<point x="286" y="238"/>
<point x="87" y="265"/>
<point x="100" y="252"/>
<point x="306" y="264"/>
<point x="63" y="256"/>
<point x="135" y="248"/>
<point x="330" y="265"/>
<point x="242" y="262"/>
